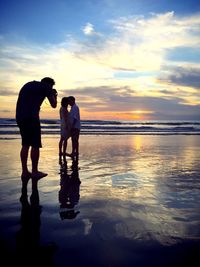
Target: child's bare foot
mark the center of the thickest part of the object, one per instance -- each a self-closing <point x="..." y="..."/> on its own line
<point x="39" y="175"/>
<point x="67" y="155"/>
<point x="72" y="155"/>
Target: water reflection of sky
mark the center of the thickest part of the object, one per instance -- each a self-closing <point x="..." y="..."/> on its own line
<point x="136" y="187"/>
<point x="154" y="182"/>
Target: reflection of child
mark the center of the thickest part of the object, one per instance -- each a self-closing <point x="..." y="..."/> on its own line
<point x="65" y="131"/>
<point x="69" y="193"/>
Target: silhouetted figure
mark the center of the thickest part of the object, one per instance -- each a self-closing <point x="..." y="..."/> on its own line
<point x="65" y="127"/>
<point x="75" y="126"/>
<point x="69" y="193"/>
<point x="29" y="252"/>
<point x="31" y="97"/>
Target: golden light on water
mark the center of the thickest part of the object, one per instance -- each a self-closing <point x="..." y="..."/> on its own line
<point x="137" y="142"/>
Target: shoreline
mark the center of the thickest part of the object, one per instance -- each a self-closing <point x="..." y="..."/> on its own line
<point x="15" y="136"/>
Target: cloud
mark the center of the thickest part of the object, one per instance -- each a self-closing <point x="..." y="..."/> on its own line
<point x="88" y="29"/>
<point x="141" y="44"/>
<point x="21" y="64"/>
<point x="136" y="44"/>
<point x="160" y="30"/>
<point x="5" y="111"/>
<point x="7" y="92"/>
<point x="122" y="99"/>
<point x="183" y="76"/>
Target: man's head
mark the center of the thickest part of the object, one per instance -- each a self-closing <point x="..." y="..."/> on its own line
<point x="48" y="81"/>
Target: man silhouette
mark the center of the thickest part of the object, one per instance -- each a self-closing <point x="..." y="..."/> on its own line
<point x="31" y="97"/>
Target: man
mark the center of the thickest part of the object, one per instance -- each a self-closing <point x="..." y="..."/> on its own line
<point x="31" y="97"/>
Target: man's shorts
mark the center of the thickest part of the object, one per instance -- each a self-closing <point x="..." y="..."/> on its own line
<point x="30" y="131"/>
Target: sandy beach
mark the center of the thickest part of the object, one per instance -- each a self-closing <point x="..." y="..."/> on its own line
<point x="134" y="202"/>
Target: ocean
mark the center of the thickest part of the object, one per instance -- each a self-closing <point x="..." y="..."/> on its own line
<point x="9" y="129"/>
<point x="134" y="194"/>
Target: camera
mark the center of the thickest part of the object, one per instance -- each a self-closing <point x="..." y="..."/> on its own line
<point x="55" y="92"/>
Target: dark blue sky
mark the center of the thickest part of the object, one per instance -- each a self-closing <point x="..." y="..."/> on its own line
<point x="50" y="20"/>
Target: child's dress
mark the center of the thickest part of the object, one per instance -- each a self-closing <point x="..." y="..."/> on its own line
<point x="65" y="123"/>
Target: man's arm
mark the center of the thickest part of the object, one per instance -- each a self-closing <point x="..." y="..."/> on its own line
<point x="53" y="99"/>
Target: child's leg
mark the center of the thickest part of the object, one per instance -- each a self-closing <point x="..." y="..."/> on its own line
<point x="74" y="146"/>
<point x="65" y="146"/>
<point x="75" y="142"/>
<point x="72" y="140"/>
<point x="60" y="146"/>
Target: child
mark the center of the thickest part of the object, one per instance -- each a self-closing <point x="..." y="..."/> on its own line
<point x="75" y="125"/>
<point x="65" y="127"/>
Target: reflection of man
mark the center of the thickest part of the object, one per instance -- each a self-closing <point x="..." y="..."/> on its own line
<point x="69" y="190"/>
<point x="28" y="237"/>
<point x="31" y="97"/>
<point x="30" y="218"/>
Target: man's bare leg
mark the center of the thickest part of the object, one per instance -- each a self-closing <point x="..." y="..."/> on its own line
<point x="35" y="154"/>
<point x="24" y="159"/>
<point x="26" y="175"/>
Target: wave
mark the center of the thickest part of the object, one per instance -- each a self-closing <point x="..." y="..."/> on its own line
<point x="52" y="127"/>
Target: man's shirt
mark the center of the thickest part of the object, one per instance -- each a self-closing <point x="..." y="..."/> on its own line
<point x="75" y="117"/>
<point x="30" y="98"/>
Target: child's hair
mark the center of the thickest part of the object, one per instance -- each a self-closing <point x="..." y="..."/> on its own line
<point x="71" y="98"/>
<point x="64" y="102"/>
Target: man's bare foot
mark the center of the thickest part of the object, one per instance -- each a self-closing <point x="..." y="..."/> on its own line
<point x="26" y="174"/>
<point x="39" y="175"/>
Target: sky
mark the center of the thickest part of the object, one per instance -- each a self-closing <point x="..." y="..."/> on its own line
<point x="121" y="59"/>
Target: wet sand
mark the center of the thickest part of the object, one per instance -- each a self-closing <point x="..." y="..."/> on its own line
<point x="128" y="201"/>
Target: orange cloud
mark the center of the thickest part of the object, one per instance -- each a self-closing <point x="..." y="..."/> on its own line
<point x="116" y="115"/>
